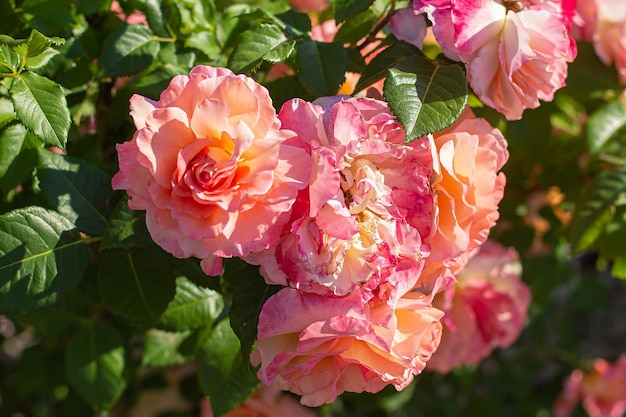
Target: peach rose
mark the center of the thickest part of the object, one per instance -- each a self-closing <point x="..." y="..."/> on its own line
<point x="601" y="390"/>
<point x="515" y="53"/>
<point x="467" y="188"/>
<point x="603" y="22"/>
<point x="265" y="402"/>
<point x="319" y="347"/>
<point x="210" y="166"/>
<point x="367" y="207"/>
<point x="486" y="308"/>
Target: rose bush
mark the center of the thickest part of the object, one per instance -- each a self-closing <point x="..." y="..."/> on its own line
<point x="211" y="167"/>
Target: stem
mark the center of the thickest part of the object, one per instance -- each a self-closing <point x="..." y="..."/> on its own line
<point x="372" y="35"/>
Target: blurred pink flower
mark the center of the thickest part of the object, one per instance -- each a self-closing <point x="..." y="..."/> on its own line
<point x="319" y="346"/>
<point x="603" y="22"/>
<point x="468" y="187"/>
<point x="601" y="390"/>
<point x="408" y="26"/>
<point x="210" y="166"/>
<point x="486" y="308"/>
<point x="265" y="402"/>
<point x="309" y="5"/>
<point x="515" y="52"/>
<point x="361" y="221"/>
<point x="136" y="17"/>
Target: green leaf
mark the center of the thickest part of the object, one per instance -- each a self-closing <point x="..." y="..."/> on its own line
<point x="377" y="69"/>
<point x="127" y="228"/>
<point x="155" y="18"/>
<point x="41" y="106"/>
<point x="249" y="293"/>
<point x="618" y="270"/>
<point x="222" y="373"/>
<point x="192" y="307"/>
<point x="94" y="362"/>
<point x="321" y="66"/>
<point x="425" y="96"/>
<point x="39" y="43"/>
<point x="127" y="50"/>
<point x="12" y="58"/>
<point x="41" y="60"/>
<point x="261" y="43"/>
<point x="11" y="140"/>
<point x="295" y="23"/>
<point x="594" y="210"/>
<point x="41" y="256"/>
<point x="345" y="9"/>
<point x="356" y="28"/>
<point x="604" y="123"/>
<point x="160" y="348"/>
<point x="138" y="285"/>
<point x="7" y="113"/>
<point x="76" y="189"/>
<point x="285" y="88"/>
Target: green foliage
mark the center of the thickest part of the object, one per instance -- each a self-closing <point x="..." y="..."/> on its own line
<point x="322" y="66"/>
<point x="223" y="371"/>
<point x="261" y="43"/>
<point x="94" y="361"/>
<point x="127" y="50"/>
<point x="345" y="9"/>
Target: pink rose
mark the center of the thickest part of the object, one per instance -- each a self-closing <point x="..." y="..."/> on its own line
<point x="265" y="402"/>
<point x="468" y="188"/>
<point x="603" y="22"/>
<point x="210" y="166"/>
<point x="320" y="347"/>
<point x="515" y="53"/>
<point x="601" y="390"/>
<point x="486" y="308"/>
<point x="368" y="205"/>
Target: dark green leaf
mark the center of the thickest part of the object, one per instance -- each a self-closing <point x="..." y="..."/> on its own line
<point x="604" y="123"/>
<point x="127" y="228"/>
<point x="136" y="284"/>
<point x="377" y="69"/>
<point x="160" y="348"/>
<point x="296" y="23"/>
<point x="127" y="50"/>
<point x="12" y="58"/>
<point x="425" y="96"/>
<point x="192" y="307"/>
<point x="285" y="88"/>
<point x="321" y="66"/>
<point x="222" y="373"/>
<point x="356" y="28"/>
<point x="249" y="292"/>
<point x="11" y="141"/>
<point x="345" y="9"/>
<point x="41" y="256"/>
<point x="76" y="189"/>
<point x="41" y="106"/>
<point x="593" y="211"/>
<point x="94" y="362"/>
<point x="261" y="43"/>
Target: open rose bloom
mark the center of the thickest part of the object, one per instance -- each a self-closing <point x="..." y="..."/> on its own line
<point x="211" y="167"/>
<point x="515" y="52"/>
<point x="486" y="308"/>
<point x="602" y="390"/>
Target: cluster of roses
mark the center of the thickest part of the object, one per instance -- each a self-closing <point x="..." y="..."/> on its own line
<point x="360" y="229"/>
